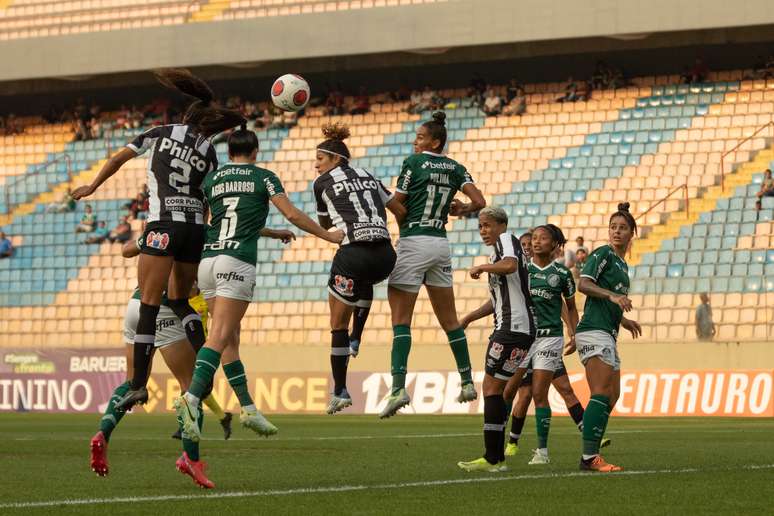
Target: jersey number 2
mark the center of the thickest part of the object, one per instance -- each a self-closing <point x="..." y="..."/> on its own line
<point x="180" y="181"/>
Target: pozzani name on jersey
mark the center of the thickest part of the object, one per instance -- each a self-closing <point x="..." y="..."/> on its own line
<point x="232" y="187"/>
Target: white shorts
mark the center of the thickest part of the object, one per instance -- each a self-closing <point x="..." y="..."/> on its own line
<point x="422" y="260"/>
<point x="169" y="329"/>
<point x="225" y="276"/>
<point x="597" y="343"/>
<point x="547" y="354"/>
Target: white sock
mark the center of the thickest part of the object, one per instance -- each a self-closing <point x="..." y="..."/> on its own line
<point x="191" y="399"/>
<point x="587" y="457"/>
<point x="543" y="451"/>
<point x="250" y="408"/>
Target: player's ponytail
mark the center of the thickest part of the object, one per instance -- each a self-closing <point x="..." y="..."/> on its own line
<point x="242" y="142"/>
<point x="203" y="114"/>
<point x="623" y="211"/>
<point x="335" y="134"/>
<point x="437" y="129"/>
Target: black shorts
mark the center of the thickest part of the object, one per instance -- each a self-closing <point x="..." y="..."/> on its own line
<point x="505" y="355"/>
<point x="184" y="242"/>
<point x="562" y="371"/>
<point x="357" y="267"/>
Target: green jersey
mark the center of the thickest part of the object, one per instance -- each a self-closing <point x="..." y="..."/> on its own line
<point x="430" y="182"/>
<point x="609" y="272"/>
<point x="238" y="195"/>
<point x="547" y="287"/>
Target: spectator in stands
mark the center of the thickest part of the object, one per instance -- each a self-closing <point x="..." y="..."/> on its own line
<point x="700" y="71"/>
<point x="580" y="244"/>
<point x="705" y="327"/>
<point x="493" y="104"/>
<point x="415" y="103"/>
<point x="88" y="221"/>
<point x="685" y="75"/>
<point x="767" y="189"/>
<point x="402" y="94"/>
<point x="581" y="255"/>
<point x="334" y="104"/>
<point x="121" y="233"/>
<point x="361" y="105"/>
<point x="476" y="90"/>
<point x="517" y="105"/>
<point x="600" y="77"/>
<point x="262" y="116"/>
<point x="99" y="234"/>
<point x="570" y="91"/>
<point x="67" y="204"/>
<point x="6" y="247"/>
<point x="513" y="90"/>
<point x="12" y="125"/>
<point x="138" y="208"/>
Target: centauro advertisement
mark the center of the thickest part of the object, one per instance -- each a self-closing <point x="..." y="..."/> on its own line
<point x="64" y="380"/>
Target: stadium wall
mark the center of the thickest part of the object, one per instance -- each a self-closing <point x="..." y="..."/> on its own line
<point x="438" y="26"/>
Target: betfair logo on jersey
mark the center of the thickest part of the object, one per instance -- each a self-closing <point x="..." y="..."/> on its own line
<point x="354" y="185"/>
<point x="183" y="152"/>
<point x="541" y="292"/>
<point x="229" y="276"/>
<point x="442" y="165"/>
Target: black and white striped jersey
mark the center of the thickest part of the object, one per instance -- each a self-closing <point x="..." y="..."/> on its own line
<point x="354" y="200"/>
<point x="510" y="295"/>
<point x="178" y="161"/>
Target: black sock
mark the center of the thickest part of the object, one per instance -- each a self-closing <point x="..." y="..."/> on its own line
<point x="144" y="340"/>
<point x="494" y="422"/>
<point x="359" y="318"/>
<point x="192" y="322"/>
<point x="339" y="359"/>
<point x="517" y="424"/>
<point x="576" y="413"/>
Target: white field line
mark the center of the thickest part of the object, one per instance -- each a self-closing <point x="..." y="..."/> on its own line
<point x="350" y="488"/>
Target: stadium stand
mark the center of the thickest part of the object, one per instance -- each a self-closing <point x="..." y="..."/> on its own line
<point x="567" y="163"/>
<point x="21" y="19"/>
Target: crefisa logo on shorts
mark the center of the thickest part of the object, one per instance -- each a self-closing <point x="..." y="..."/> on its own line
<point x="229" y="276"/>
<point x="157" y="240"/>
<point x="343" y="285"/>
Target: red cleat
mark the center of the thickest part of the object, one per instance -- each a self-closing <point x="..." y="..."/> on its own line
<point x="99" y="461"/>
<point x="195" y="470"/>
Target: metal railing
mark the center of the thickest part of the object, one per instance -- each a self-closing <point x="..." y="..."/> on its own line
<point x="42" y="167"/>
<point x="769" y="125"/>
<point x="686" y="199"/>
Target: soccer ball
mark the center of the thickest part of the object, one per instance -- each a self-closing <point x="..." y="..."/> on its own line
<point x="290" y="92"/>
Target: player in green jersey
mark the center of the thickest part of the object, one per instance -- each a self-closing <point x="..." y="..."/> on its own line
<point x="605" y="281"/>
<point x="551" y="287"/>
<point x="427" y="185"/>
<point x="238" y="195"/>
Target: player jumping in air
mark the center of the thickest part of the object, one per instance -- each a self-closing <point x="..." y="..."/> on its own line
<point x="510" y="345"/>
<point x="181" y="156"/>
<point x="354" y="201"/>
<point x="239" y="194"/>
<point x="427" y="185"/>
<point x="605" y="281"/>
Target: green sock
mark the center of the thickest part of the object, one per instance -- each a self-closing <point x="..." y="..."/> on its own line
<point x="459" y="346"/>
<point x="235" y="372"/>
<point x="112" y="416"/>
<point x="401" y="346"/>
<point x="543" y="420"/>
<point x="190" y="447"/>
<point x="594" y="423"/>
<point x="207" y="361"/>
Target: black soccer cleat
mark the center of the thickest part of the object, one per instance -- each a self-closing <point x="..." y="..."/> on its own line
<point x="132" y="398"/>
<point x="225" y="423"/>
<point x="178" y="435"/>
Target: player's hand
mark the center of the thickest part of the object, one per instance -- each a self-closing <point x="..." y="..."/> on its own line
<point x="464" y="323"/>
<point x="624" y="302"/>
<point x="285" y="235"/>
<point x="336" y="236"/>
<point x="476" y="272"/>
<point x="570" y="347"/>
<point x="633" y="326"/>
<point x="82" y="191"/>
<point x="456" y="208"/>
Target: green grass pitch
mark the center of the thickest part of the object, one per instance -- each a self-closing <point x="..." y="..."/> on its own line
<point x="404" y="465"/>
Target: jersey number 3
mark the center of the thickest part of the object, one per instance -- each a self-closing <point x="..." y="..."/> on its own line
<point x="228" y="224"/>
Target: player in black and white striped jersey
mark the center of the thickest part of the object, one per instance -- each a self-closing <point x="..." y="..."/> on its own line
<point x="354" y="201"/>
<point x="180" y="157"/>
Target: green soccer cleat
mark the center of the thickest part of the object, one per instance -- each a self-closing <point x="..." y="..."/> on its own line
<point x="511" y="449"/>
<point x="395" y="402"/>
<point x="605" y="443"/>
<point x="483" y="465"/>
<point x="339" y="402"/>
<point x="539" y="457"/>
<point x="468" y="393"/>
<point x="188" y="416"/>
<point x="255" y="421"/>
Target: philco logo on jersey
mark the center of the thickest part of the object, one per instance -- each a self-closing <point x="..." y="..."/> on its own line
<point x="343" y="285"/>
<point x="229" y="276"/>
<point x="354" y="185"/>
<point x="157" y="240"/>
<point x="184" y="153"/>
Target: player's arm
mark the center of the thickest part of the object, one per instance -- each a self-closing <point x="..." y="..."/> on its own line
<point x="131" y="248"/>
<point x="302" y="221"/>
<point x="570" y="318"/>
<point x="397" y="207"/>
<point x="278" y="234"/>
<point x="325" y="221"/>
<point x="112" y="166"/>
<point x="479" y="313"/>
<point x="589" y="287"/>
<point x="633" y="326"/>
<point x="508" y="265"/>
<point x="477" y="201"/>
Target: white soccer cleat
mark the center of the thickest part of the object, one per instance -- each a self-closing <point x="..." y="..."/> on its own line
<point x="255" y="421"/>
<point x="539" y="456"/>
<point x="339" y="402"/>
<point x="188" y="417"/>
<point x="395" y="402"/>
